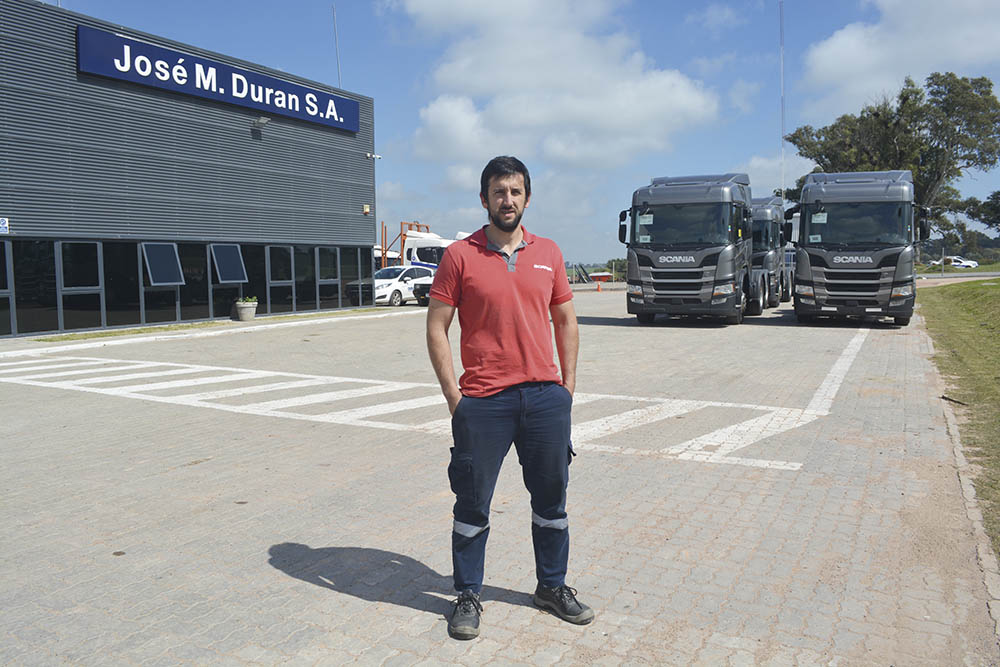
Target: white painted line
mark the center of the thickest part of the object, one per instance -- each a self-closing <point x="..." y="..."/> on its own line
<point x="134" y="376"/>
<point x="48" y="366"/>
<point x="191" y="382"/>
<point x="822" y="400"/>
<point x="125" y="367"/>
<point x="599" y="428"/>
<point x="256" y="389"/>
<point x="5" y="364"/>
<point x="180" y="335"/>
<point x="328" y="396"/>
<point x="359" y="414"/>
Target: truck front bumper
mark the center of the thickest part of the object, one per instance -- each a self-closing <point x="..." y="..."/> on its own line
<point x="661" y="305"/>
<point x="901" y="307"/>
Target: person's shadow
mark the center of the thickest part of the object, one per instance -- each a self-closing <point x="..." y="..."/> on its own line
<point x="377" y="576"/>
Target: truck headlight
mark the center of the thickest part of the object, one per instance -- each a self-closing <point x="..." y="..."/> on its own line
<point x="804" y="290"/>
<point x="634" y="289"/>
<point x="725" y="289"/>
<point x="901" y="291"/>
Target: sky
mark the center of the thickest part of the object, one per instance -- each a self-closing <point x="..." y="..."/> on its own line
<point x="595" y="96"/>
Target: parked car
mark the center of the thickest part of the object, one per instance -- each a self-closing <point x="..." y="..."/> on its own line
<point x="394" y="284"/>
<point x="957" y="261"/>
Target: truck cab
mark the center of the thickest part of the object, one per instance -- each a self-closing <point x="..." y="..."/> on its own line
<point x="770" y="280"/>
<point x="689" y="247"/>
<point x="855" y="247"/>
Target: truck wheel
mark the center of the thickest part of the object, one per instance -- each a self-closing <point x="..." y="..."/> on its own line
<point x="901" y="321"/>
<point x="786" y="292"/>
<point x="772" y="298"/>
<point x="645" y="318"/>
<point x="396" y="299"/>
<point x="756" y="307"/>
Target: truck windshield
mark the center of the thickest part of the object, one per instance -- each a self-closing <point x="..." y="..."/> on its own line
<point x="681" y="224"/>
<point x="861" y="223"/>
<point x="761" y="235"/>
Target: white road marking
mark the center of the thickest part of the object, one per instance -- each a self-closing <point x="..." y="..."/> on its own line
<point x="717" y="446"/>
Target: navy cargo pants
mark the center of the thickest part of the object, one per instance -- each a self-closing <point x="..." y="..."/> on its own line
<point x="535" y="417"/>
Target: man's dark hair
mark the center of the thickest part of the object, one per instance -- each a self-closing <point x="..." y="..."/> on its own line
<point x="504" y="165"/>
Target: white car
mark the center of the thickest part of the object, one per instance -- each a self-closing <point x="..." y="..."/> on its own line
<point x="957" y="261"/>
<point x="394" y="284"/>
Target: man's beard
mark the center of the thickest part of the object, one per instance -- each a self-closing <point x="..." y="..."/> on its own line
<point x="507" y="227"/>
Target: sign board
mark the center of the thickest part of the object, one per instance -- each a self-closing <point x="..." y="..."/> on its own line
<point x="119" y="57"/>
<point x="4" y="226"/>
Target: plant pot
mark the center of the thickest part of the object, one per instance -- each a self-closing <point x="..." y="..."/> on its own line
<point x="245" y="311"/>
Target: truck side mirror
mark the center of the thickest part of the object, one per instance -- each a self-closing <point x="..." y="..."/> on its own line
<point x="622" y="229"/>
<point x="786" y="231"/>
<point x="923" y="229"/>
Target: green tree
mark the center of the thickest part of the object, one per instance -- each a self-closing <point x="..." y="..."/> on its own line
<point x="937" y="132"/>
<point x="986" y="212"/>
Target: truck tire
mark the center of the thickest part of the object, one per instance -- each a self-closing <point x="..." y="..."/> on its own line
<point x="756" y="307"/>
<point x="773" y="298"/>
<point x="786" y="292"/>
<point x="901" y="321"/>
<point x="645" y="318"/>
<point x="396" y="299"/>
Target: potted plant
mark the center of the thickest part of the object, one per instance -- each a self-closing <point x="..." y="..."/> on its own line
<point x="246" y="308"/>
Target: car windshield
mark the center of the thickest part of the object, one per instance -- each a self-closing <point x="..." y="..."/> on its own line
<point x="681" y="224"/>
<point x="388" y="273"/>
<point x="860" y="223"/>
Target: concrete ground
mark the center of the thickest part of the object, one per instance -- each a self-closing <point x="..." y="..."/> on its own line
<point x="276" y="493"/>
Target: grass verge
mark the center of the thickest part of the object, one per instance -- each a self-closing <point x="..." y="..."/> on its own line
<point x="964" y="321"/>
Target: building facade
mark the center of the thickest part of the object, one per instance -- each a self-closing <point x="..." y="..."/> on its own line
<point x="146" y="181"/>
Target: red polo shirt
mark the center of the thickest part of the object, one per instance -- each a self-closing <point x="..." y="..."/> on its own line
<point x="504" y="315"/>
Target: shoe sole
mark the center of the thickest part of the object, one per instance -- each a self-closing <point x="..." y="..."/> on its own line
<point x="463" y="633"/>
<point x="580" y="619"/>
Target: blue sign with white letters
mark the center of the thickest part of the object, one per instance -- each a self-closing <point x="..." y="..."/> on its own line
<point x="118" y="57"/>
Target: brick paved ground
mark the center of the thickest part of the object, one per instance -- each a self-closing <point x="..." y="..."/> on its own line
<point x="154" y="532"/>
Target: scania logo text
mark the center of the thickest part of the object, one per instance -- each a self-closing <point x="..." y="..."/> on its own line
<point x="671" y="259"/>
<point x="853" y="259"/>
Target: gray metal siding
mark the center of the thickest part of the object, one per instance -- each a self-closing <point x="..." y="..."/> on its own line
<point x="88" y="157"/>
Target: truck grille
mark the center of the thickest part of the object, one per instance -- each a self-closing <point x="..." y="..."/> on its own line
<point x="852" y="287"/>
<point x="673" y="274"/>
<point x="675" y="286"/>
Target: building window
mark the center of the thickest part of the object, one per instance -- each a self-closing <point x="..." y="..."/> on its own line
<point x="305" y="278"/>
<point x="163" y="266"/>
<point x="329" y="278"/>
<point x="80" y="288"/>
<point x="121" y="283"/>
<point x="6" y="324"/>
<point x="228" y="261"/>
<point x="280" y="288"/>
<point x="194" y="291"/>
<point x="35" y="304"/>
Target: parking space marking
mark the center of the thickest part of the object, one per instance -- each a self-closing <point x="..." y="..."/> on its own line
<point x="718" y="446"/>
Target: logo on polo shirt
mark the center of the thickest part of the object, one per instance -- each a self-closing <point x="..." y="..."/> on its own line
<point x="542" y="266"/>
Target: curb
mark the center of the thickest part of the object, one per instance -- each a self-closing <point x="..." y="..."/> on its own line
<point x="985" y="556"/>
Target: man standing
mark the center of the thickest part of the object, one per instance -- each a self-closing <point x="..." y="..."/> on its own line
<point x="505" y="284"/>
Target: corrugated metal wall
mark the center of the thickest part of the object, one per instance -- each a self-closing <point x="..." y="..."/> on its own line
<point x="88" y="157"/>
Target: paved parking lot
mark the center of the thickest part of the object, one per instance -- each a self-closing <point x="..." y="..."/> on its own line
<point x="277" y="492"/>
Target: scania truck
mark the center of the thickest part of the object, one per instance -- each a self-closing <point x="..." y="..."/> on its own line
<point x="854" y="253"/>
<point x="770" y="278"/>
<point x="689" y="246"/>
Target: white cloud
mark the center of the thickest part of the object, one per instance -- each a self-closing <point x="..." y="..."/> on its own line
<point x="765" y="172"/>
<point x="543" y="80"/>
<point x="712" y="66"/>
<point x="742" y="94"/>
<point x="715" y="18"/>
<point x="863" y="61"/>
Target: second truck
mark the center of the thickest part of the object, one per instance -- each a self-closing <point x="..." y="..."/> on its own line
<point x="689" y="248"/>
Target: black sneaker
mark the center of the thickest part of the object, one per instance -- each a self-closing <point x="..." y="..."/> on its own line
<point x="464" y="620"/>
<point x="562" y="601"/>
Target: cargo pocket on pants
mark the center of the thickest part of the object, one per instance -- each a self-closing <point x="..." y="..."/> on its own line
<point x="463" y="484"/>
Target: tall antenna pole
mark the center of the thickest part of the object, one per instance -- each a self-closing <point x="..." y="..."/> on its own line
<point x="336" y="42"/>
<point x="781" y="59"/>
